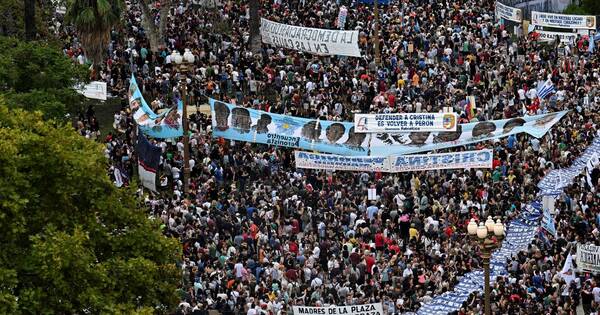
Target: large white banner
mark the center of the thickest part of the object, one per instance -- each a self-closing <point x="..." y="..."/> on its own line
<point x="508" y="13"/>
<point x="319" y="161"/>
<point x="424" y="162"/>
<point x="563" y="20"/>
<point x="311" y="40"/>
<point x="363" y="309"/>
<point x="395" y="163"/>
<point x="588" y="258"/>
<point x="405" y="122"/>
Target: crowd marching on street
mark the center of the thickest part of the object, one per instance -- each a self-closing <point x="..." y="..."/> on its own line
<point x="260" y="235"/>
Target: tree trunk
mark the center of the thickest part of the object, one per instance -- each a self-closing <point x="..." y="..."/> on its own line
<point x="155" y="34"/>
<point x="30" y="19"/>
<point x="254" y="26"/>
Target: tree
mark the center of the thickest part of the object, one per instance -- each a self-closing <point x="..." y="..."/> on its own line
<point x="73" y="243"/>
<point x="93" y="20"/>
<point x="38" y="76"/>
<point x="156" y="34"/>
<point x="30" y="19"/>
<point x="255" y="42"/>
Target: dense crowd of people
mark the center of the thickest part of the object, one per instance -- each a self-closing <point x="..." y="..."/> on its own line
<point x="259" y="235"/>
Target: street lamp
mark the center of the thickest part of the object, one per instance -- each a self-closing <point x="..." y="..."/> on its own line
<point x="489" y="236"/>
<point x="181" y="64"/>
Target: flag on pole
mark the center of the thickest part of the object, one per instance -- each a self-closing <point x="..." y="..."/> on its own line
<point x="568" y="272"/>
<point x="547" y="89"/>
<point x="148" y="161"/>
<point x="589" y="168"/>
<point x="548" y="222"/>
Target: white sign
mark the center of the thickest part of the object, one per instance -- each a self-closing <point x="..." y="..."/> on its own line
<point x="364" y="309"/>
<point x="588" y="258"/>
<point x="311" y="40"/>
<point x="454" y="160"/>
<point x="563" y="20"/>
<point x="425" y="122"/>
<point x="508" y="13"/>
<point x="395" y="163"/>
<point x="564" y="37"/>
<point x="95" y="90"/>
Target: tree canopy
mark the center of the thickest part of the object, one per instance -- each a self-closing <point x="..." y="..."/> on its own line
<point x="72" y="242"/>
<point x="38" y="76"/>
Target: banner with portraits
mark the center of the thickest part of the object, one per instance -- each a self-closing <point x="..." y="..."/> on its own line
<point x="311" y="40"/>
<point x="508" y="13"/>
<point x="168" y="124"/>
<point x="405" y="122"/>
<point x="569" y="21"/>
<point x="238" y="123"/>
<point x="383" y="144"/>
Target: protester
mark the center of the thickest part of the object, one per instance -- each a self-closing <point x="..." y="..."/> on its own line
<point x="259" y="235"/>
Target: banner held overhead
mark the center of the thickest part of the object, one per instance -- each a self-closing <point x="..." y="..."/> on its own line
<point x="563" y="20"/>
<point x="405" y="122"/>
<point x="588" y="258"/>
<point x="395" y="164"/>
<point x="363" y="309"/>
<point x="311" y="40"/>
<point x="508" y="13"/>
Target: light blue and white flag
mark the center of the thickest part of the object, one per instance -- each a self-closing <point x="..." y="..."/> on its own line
<point x="547" y="89"/>
<point x="548" y="222"/>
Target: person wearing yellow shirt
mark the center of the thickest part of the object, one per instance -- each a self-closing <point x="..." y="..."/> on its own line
<point x="413" y="233"/>
<point x="401" y="83"/>
<point x="511" y="177"/>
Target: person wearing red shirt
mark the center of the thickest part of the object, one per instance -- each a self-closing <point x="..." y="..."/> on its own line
<point x="293" y="247"/>
<point x="379" y="241"/>
<point x="369" y="262"/>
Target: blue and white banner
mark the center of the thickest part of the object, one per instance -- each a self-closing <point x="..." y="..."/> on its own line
<point x="395" y="164"/>
<point x="384" y="144"/>
<point x="311" y="40"/>
<point x="242" y="124"/>
<point x="238" y="123"/>
<point x="557" y="180"/>
<point x="319" y="161"/>
<point x="520" y="232"/>
<point x="569" y="21"/>
<point x="453" y="160"/>
<point x="405" y="122"/>
<point x="168" y="124"/>
<point x="508" y="13"/>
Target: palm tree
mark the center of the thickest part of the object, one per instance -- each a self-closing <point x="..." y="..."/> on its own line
<point x="155" y="33"/>
<point x="254" y="6"/>
<point x="94" y="20"/>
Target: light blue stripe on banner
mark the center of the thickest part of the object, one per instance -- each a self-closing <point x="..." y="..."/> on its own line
<point x="520" y="232"/>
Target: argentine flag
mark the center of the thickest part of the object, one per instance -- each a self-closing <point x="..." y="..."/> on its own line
<point x="546" y="90"/>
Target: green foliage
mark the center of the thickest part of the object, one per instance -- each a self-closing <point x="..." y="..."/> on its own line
<point x="585" y="7"/>
<point x="38" y="76"/>
<point x="73" y="243"/>
<point x="575" y="9"/>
